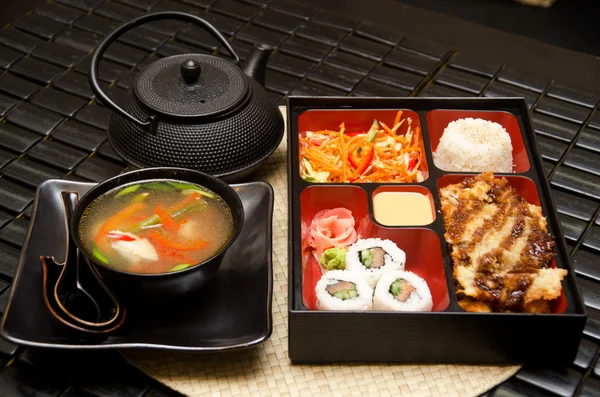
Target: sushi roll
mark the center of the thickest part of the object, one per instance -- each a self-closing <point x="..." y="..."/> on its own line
<point x="373" y="257"/>
<point x="343" y="290"/>
<point x="402" y="291"/>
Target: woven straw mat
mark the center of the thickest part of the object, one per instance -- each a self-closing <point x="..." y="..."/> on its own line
<point x="266" y="370"/>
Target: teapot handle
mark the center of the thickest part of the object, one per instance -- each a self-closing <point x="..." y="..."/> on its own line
<point x="151" y="123"/>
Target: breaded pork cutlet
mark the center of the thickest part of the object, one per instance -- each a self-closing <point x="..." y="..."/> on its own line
<point x="500" y="247"/>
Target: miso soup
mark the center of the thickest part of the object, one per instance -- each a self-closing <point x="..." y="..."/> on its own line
<point x="156" y="226"/>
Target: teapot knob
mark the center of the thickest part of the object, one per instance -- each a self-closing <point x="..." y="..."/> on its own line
<point x="190" y="71"/>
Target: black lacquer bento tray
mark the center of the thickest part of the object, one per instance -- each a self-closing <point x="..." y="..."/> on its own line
<point x="233" y="311"/>
<point x="447" y="334"/>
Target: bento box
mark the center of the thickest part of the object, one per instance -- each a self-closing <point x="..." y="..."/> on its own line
<point x="402" y="250"/>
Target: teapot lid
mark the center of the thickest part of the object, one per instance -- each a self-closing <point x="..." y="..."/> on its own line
<point x="191" y="85"/>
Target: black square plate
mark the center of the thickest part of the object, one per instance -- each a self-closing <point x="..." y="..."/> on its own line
<point x="231" y="312"/>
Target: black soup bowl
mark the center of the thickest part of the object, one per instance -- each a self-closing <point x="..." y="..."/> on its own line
<point x="136" y="287"/>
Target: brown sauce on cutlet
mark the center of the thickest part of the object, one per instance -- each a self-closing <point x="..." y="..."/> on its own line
<point x="516" y="232"/>
<point x="459" y="219"/>
<point x="495" y="192"/>
<point x="467" y="182"/>
<point x="504" y="293"/>
<point x="490" y="225"/>
<point x="461" y="256"/>
<point x="515" y="288"/>
<point x="518" y="228"/>
<point x="488" y="262"/>
<point x="524" y="211"/>
<point x="490" y="286"/>
<point x="504" y="273"/>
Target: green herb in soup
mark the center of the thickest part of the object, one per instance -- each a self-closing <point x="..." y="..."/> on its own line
<point x="157" y="226"/>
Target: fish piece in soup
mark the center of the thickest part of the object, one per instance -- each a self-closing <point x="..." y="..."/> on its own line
<point x="133" y="249"/>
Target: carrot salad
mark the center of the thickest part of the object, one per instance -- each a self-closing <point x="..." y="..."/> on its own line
<point x="381" y="154"/>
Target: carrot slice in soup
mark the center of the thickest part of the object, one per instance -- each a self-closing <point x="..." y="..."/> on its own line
<point x="114" y="222"/>
<point x="169" y="224"/>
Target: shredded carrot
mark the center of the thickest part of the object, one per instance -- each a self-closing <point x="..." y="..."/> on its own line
<point x="386" y="128"/>
<point x="344" y="152"/>
<point x="355" y="142"/>
<point x="416" y="136"/>
<point x="122" y="216"/>
<point x="353" y="156"/>
<point x="397" y="119"/>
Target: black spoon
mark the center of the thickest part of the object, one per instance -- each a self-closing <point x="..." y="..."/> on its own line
<point x="73" y="291"/>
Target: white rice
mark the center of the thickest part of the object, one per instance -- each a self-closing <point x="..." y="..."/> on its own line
<point x="394" y="258"/>
<point x="474" y="145"/>
<point x="418" y="301"/>
<point x="325" y="301"/>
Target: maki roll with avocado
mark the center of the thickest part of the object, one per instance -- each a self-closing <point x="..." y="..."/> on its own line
<point x="372" y="257"/>
<point x="343" y="290"/>
<point x="402" y="291"/>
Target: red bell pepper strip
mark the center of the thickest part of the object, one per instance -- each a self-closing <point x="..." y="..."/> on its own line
<point x="412" y="162"/>
<point x="365" y="164"/>
<point x="174" y="256"/>
<point x="120" y="237"/>
<point x="367" y="161"/>
<point x="351" y="161"/>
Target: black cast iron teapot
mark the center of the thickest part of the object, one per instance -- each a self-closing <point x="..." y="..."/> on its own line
<point x="193" y="111"/>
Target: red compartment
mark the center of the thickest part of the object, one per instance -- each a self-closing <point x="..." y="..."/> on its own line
<point x="423" y="257"/>
<point x="525" y="188"/>
<point x="359" y="121"/>
<point x="422" y="246"/>
<point x="438" y="120"/>
<point x="403" y="189"/>
<point x="316" y="198"/>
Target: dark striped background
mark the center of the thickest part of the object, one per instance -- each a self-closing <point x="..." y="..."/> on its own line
<point x="51" y="127"/>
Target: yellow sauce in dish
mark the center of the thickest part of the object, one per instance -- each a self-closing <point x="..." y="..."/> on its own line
<point x="402" y="209"/>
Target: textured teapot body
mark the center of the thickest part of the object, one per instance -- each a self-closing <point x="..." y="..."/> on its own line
<point x="240" y="139"/>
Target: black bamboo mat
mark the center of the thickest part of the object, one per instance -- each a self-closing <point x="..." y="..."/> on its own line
<point x="51" y="127"/>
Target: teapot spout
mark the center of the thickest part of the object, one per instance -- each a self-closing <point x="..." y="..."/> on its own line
<point x="256" y="64"/>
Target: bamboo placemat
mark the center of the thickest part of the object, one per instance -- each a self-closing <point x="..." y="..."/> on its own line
<point x="266" y="369"/>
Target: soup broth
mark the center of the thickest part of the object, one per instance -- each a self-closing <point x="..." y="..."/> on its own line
<point x="156" y="226"/>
